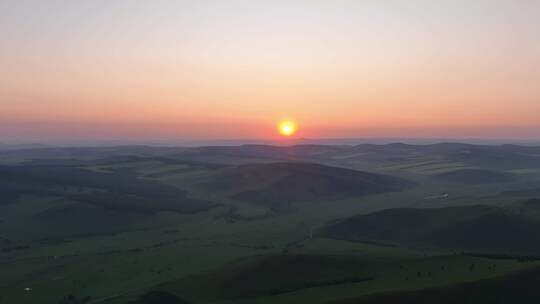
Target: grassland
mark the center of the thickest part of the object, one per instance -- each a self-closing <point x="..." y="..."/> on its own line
<point x="59" y="245"/>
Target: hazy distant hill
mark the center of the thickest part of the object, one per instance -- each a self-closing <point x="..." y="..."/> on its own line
<point x="247" y="154"/>
<point x="4" y="146"/>
<point x="475" y="176"/>
<point x="359" y="156"/>
<point x="90" y="152"/>
<point x="469" y="228"/>
<point x="372" y="155"/>
<point x="278" y="184"/>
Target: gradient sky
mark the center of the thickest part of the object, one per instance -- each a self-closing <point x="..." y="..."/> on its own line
<point x="230" y="69"/>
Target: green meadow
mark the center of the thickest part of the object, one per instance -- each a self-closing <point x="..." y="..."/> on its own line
<point x="265" y="225"/>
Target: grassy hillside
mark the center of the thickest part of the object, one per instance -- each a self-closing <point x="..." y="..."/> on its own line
<point x="276" y="185"/>
<point x="158" y="297"/>
<point x="470" y="228"/>
<point x="300" y="278"/>
<point x="137" y="224"/>
<point x="519" y="288"/>
<point x="271" y="275"/>
<point x="474" y="176"/>
<point x="117" y="190"/>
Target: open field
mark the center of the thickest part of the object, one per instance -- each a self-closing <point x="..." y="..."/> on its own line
<point x="107" y="228"/>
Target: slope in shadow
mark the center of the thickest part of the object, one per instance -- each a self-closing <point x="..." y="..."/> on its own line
<point x="271" y="275"/>
<point x="276" y="185"/>
<point x="469" y="228"/>
<point x="475" y="176"/>
<point x="519" y="288"/>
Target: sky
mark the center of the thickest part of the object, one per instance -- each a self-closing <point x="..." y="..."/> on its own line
<point x="223" y="69"/>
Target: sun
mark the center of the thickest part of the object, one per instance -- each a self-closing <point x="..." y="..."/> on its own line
<point x="287" y="128"/>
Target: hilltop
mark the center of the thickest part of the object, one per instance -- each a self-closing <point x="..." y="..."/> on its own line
<point x="278" y="184"/>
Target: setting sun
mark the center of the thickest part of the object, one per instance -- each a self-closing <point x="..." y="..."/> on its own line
<point x="287" y="128"/>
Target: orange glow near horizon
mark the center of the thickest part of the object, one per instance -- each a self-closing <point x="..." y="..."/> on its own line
<point x="205" y="69"/>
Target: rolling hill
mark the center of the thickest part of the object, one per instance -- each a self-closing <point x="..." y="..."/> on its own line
<point x="475" y="176"/>
<point x="316" y="278"/>
<point x="119" y="190"/>
<point x="519" y="287"/>
<point x="271" y="275"/>
<point x="469" y="228"/>
<point x="276" y="185"/>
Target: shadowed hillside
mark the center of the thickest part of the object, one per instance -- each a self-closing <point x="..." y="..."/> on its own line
<point x="473" y="228"/>
<point x="276" y="185"/>
<point x="120" y="190"/>
<point x="94" y="225"/>
<point x="519" y="288"/>
<point x="474" y="176"/>
<point x="272" y="275"/>
<point x="157" y="297"/>
<point x="304" y="278"/>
